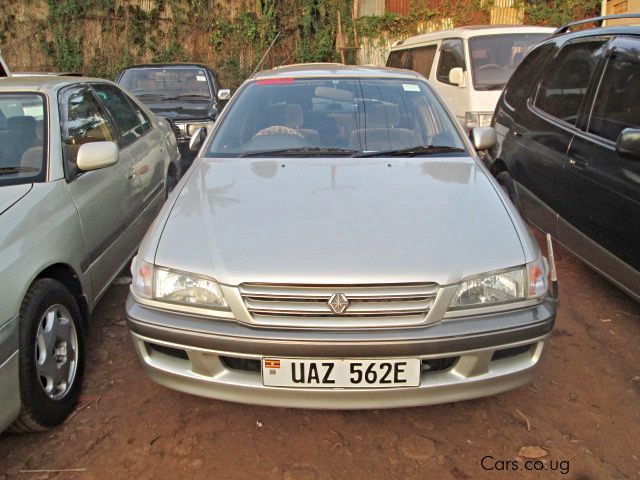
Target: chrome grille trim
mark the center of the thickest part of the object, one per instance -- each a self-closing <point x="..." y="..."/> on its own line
<point x="307" y="305"/>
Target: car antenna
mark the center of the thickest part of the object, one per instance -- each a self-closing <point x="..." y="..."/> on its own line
<point x="265" y="54"/>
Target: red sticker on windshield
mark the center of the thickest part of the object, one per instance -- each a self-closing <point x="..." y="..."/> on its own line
<point x="275" y="81"/>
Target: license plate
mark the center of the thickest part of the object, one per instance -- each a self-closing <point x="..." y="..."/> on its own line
<point x="341" y="373"/>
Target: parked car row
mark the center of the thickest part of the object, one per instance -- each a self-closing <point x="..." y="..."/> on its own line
<point x="568" y="127"/>
<point x="337" y="242"/>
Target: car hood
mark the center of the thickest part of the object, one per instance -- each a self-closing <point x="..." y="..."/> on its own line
<point x="181" y="110"/>
<point x="338" y="221"/>
<point x="11" y="194"/>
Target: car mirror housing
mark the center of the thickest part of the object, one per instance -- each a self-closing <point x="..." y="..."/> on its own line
<point x="96" y="155"/>
<point x="197" y="139"/>
<point x="483" y="138"/>
<point x="628" y="144"/>
<point x="224" y="94"/>
<point x="456" y="76"/>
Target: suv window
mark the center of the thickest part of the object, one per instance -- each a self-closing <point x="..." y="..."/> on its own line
<point x="83" y="121"/>
<point x="562" y="90"/>
<point x="421" y="59"/>
<point x="451" y="56"/>
<point x="616" y="103"/>
<point x="522" y="81"/>
<point x="133" y="123"/>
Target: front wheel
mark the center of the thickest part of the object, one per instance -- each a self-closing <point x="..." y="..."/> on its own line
<point x="51" y="356"/>
<point x="171" y="182"/>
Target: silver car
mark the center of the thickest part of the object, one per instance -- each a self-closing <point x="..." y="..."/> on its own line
<point x="338" y="244"/>
<point x="83" y="173"/>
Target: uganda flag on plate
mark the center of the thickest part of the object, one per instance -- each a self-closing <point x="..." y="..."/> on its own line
<point x="271" y="363"/>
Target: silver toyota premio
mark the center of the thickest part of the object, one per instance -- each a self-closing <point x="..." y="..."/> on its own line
<point x="338" y="244"/>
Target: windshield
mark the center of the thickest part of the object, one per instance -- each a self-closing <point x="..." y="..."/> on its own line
<point x="331" y="116"/>
<point x="495" y="57"/>
<point x="22" y="134"/>
<point x="167" y="83"/>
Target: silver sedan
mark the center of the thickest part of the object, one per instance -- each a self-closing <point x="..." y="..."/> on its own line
<point x="338" y="244"/>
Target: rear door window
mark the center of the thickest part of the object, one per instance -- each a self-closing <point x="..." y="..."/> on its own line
<point x="562" y="90"/>
<point x="617" y="101"/>
<point x="451" y="56"/>
<point x="422" y="59"/>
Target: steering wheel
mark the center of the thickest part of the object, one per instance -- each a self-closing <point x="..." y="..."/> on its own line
<point x="278" y="130"/>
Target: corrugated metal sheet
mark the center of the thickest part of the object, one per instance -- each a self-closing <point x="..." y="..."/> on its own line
<point x="506" y="16"/>
<point x="401" y="7"/>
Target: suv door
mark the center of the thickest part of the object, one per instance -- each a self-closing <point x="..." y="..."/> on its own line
<point x="142" y="141"/>
<point x="545" y="131"/>
<point x="106" y="199"/>
<point x="451" y="55"/>
<point x="605" y="185"/>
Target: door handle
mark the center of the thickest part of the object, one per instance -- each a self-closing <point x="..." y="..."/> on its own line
<point x="578" y="162"/>
<point x="132" y="176"/>
<point x="516" y="133"/>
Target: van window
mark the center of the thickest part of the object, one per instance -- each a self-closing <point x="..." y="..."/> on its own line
<point x="562" y="90"/>
<point x="451" y="56"/>
<point x="523" y="79"/>
<point x="495" y="57"/>
<point x="421" y="59"/>
<point x="398" y="58"/>
<point x="616" y="103"/>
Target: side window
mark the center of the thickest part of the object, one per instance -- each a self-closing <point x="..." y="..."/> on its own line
<point x="83" y="121"/>
<point x="422" y="59"/>
<point x="131" y="121"/>
<point x="616" y="103"/>
<point x="562" y="90"/>
<point x="398" y="59"/>
<point x="523" y="79"/>
<point x="451" y="56"/>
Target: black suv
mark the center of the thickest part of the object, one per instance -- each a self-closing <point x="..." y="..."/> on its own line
<point x="187" y="94"/>
<point x="568" y="150"/>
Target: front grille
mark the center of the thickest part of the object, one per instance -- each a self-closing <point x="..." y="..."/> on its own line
<point x="400" y="302"/>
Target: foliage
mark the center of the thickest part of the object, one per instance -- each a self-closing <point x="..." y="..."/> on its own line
<point x="100" y="37"/>
<point x="559" y="12"/>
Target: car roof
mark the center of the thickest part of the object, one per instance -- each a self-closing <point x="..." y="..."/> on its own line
<point x="302" y="70"/>
<point x="42" y="83"/>
<point x="471" y="31"/>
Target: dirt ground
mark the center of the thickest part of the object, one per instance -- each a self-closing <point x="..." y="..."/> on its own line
<point x="583" y="409"/>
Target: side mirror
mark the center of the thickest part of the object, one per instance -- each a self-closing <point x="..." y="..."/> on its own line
<point x="224" y="94"/>
<point x="96" y="155"/>
<point x="483" y="138"/>
<point x="456" y="76"/>
<point x="628" y="144"/>
<point x="197" y="139"/>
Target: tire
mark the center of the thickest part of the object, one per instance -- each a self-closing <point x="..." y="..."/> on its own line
<point x="508" y="185"/>
<point x="51" y="356"/>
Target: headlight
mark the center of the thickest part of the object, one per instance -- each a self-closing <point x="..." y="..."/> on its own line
<point x="477" y="119"/>
<point x="503" y="286"/>
<point x="173" y="286"/>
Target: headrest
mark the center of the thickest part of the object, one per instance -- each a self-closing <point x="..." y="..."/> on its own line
<point x="293" y="116"/>
<point x="23" y="124"/>
<point x="382" y="115"/>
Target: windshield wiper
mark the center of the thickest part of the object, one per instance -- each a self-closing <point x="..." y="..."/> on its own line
<point x="10" y="170"/>
<point x="149" y="95"/>
<point x="300" y="152"/>
<point x="413" y="151"/>
<point x="187" y="95"/>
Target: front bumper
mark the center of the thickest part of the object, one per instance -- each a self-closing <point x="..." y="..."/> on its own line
<point x="205" y="356"/>
<point x="9" y="386"/>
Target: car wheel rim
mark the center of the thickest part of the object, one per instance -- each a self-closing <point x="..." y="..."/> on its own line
<point x="56" y="352"/>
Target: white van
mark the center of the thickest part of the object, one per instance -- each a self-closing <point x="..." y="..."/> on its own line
<point x="468" y="66"/>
